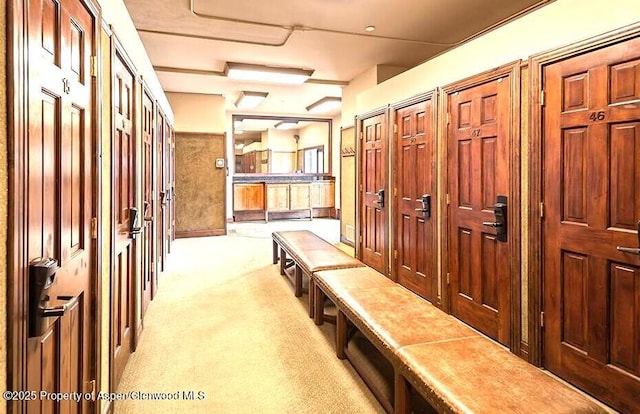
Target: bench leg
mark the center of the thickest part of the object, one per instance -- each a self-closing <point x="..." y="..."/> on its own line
<point x="283" y="261"/>
<point x="318" y="301"/>
<point x="312" y="296"/>
<point x="275" y="252"/>
<point x="341" y="335"/>
<point x="298" y="281"/>
<point x="401" y="394"/>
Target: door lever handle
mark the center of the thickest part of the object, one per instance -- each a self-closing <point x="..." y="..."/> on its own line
<point x="59" y="310"/>
<point x="491" y="224"/>
<point x="629" y="250"/>
<point x="633" y="250"/>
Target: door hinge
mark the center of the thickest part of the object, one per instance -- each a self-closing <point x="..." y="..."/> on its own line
<point x="94" y="227"/>
<point x="395" y="128"/>
<point x="90" y="387"/>
<point x="541" y="98"/>
<point x="541" y="210"/>
<point x="93" y="66"/>
<point x="395" y="191"/>
<point x="395" y="255"/>
<point x="448" y="118"/>
<point x="542" y="319"/>
<point x="448" y="278"/>
<point x="360" y="239"/>
<point x="448" y="199"/>
<point x="361" y="135"/>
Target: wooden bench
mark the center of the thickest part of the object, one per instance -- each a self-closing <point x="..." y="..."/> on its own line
<point x="452" y="366"/>
<point x="301" y="253"/>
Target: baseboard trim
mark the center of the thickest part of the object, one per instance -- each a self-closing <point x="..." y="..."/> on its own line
<point x="199" y="233"/>
<point x="344" y="240"/>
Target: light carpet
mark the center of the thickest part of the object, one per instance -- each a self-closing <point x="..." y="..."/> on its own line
<point x="226" y="323"/>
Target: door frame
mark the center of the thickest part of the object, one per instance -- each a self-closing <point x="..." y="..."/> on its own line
<point x="537" y="63"/>
<point x="358" y="124"/>
<point x="117" y="48"/>
<point x="513" y="71"/>
<point x="435" y="207"/>
<point x="17" y="138"/>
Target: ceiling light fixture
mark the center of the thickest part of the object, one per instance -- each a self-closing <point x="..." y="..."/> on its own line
<point x="370" y="28"/>
<point x="261" y="73"/>
<point x="326" y="104"/>
<point x="250" y="100"/>
<point x="286" y="125"/>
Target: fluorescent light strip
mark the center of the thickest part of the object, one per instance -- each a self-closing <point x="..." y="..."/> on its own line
<point x="286" y="125"/>
<point x="250" y="100"/>
<point x="325" y="104"/>
<point x="260" y="73"/>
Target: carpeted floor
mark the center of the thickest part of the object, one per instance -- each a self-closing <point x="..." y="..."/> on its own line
<point x="226" y="324"/>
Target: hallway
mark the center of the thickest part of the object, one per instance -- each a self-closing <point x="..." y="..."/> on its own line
<point x="233" y="330"/>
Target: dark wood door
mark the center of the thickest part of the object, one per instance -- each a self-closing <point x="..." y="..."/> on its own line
<point x="60" y="196"/>
<point x="172" y="183"/>
<point x="374" y="197"/>
<point x="148" y="258"/>
<point x="161" y="196"/>
<point x="414" y="193"/>
<point x="168" y="185"/>
<point x="591" y="185"/>
<point x="478" y="172"/>
<point x="123" y="193"/>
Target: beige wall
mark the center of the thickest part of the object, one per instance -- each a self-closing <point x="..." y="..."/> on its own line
<point x="3" y="203"/>
<point x="557" y="24"/>
<point x="116" y="15"/>
<point x="198" y="112"/>
<point x="362" y="82"/>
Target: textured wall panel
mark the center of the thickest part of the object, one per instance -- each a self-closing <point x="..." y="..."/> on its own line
<point x="200" y="185"/>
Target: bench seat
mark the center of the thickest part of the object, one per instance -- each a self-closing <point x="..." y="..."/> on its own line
<point x="306" y="253"/>
<point x="453" y="367"/>
<point x="475" y="375"/>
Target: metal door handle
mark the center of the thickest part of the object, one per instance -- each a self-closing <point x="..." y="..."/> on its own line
<point x="60" y="310"/>
<point x="491" y="224"/>
<point x="629" y="250"/>
<point x="633" y="250"/>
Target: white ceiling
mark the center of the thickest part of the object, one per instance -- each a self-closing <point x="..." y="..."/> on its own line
<point x="189" y="41"/>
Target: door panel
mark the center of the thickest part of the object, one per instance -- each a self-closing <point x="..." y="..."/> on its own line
<point x="60" y="196"/>
<point x="148" y="257"/>
<point x="373" y="179"/>
<point x="478" y="151"/>
<point x="123" y="192"/>
<point x="591" y="184"/>
<point x="414" y="177"/>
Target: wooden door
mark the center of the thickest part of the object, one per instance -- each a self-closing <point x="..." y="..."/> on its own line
<point x="172" y="182"/>
<point x="60" y="197"/>
<point x="591" y="189"/>
<point x="168" y="185"/>
<point x="123" y="191"/>
<point x="415" y="198"/>
<point x="148" y="259"/>
<point x="374" y="197"/>
<point x="478" y="142"/>
<point x="161" y="195"/>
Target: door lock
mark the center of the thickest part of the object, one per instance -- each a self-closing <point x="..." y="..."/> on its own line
<point x="500" y="214"/>
<point x="134" y="225"/>
<point x="426" y="205"/>
<point x="380" y="200"/>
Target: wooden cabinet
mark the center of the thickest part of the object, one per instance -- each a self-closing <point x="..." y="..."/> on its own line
<point x="299" y="196"/>
<point x="323" y="194"/>
<point x="277" y="197"/>
<point x="248" y="197"/>
<point x="283" y="199"/>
